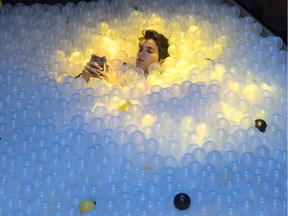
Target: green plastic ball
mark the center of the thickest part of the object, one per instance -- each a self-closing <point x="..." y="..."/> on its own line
<point x="86" y="205"/>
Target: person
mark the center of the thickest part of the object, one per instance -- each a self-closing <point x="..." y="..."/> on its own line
<point x="153" y="48"/>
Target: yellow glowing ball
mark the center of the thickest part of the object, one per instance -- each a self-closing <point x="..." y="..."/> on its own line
<point x="251" y="92"/>
<point x="199" y="57"/>
<point x="158" y="22"/>
<point x="89" y="52"/>
<point x="235" y="86"/>
<point x="113" y="34"/>
<point x="86" y="205"/>
<point x="124" y="105"/>
<point x="76" y="57"/>
<point x="202" y="129"/>
<point x="172" y="50"/>
<point x="103" y="27"/>
<point x="218" y="71"/>
<point x="96" y="42"/>
<point x="183" y="50"/>
<point x="193" y="29"/>
<point x="147" y="120"/>
<point x="153" y="79"/>
<point x="142" y="84"/>
<point x="113" y="102"/>
<point x="153" y="15"/>
<point x="122" y="55"/>
<point x="178" y="35"/>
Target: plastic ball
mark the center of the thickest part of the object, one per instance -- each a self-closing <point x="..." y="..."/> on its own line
<point x="182" y="201"/>
<point x="102" y="27"/>
<point x="261" y="125"/>
<point x="197" y="109"/>
<point x="76" y="57"/>
<point x="86" y="205"/>
<point x="124" y="105"/>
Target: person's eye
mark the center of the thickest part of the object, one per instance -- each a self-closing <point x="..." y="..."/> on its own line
<point x="150" y="51"/>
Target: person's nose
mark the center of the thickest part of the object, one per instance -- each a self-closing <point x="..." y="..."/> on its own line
<point x="141" y="53"/>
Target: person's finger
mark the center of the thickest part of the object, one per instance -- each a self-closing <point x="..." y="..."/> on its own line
<point x="104" y="74"/>
<point x="91" y="71"/>
<point x="88" y="73"/>
<point x="107" y="68"/>
<point x="95" y="65"/>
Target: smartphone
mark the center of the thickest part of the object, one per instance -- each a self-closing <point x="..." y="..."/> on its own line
<point x="99" y="60"/>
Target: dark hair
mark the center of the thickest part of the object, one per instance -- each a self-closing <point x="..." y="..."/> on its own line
<point x="160" y="39"/>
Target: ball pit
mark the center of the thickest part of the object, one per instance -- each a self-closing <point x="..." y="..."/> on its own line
<point x="189" y="128"/>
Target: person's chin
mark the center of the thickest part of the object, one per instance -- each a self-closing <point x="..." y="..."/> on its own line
<point x="139" y="63"/>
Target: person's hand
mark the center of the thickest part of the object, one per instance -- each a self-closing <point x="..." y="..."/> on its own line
<point x="91" y="69"/>
<point x="109" y="75"/>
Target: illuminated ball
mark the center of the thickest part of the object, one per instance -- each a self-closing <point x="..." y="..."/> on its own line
<point x="102" y="27"/>
<point x="188" y="123"/>
<point x="124" y="105"/>
<point x="86" y="205"/>
<point x="136" y="16"/>
<point x="182" y="201"/>
<point x="261" y="125"/>
<point x="131" y="76"/>
<point x="76" y="57"/>
<point x="147" y="120"/>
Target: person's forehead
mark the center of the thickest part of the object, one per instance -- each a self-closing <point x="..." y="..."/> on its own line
<point x="149" y="43"/>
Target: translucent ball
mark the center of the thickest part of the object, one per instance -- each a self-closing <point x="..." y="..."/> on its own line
<point x="188" y="123"/>
<point x="151" y="146"/>
<point x="240" y="136"/>
<point x="214" y="157"/>
<point x="136" y="16"/>
<point x="102" y="27"/>
<point x="157" y="162"/>
<point x="137" y="137"/>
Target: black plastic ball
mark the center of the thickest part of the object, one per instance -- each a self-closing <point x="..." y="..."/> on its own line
<point x="261" y="125"/>
<point x="182" y="201"/>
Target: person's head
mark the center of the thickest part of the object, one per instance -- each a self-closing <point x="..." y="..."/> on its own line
<point x="153" y="48"/>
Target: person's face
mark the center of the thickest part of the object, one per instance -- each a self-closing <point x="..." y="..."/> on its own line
<point x="147" y="54"/>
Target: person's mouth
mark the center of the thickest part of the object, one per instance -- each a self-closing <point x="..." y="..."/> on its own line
<point x="141" y="60"/>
